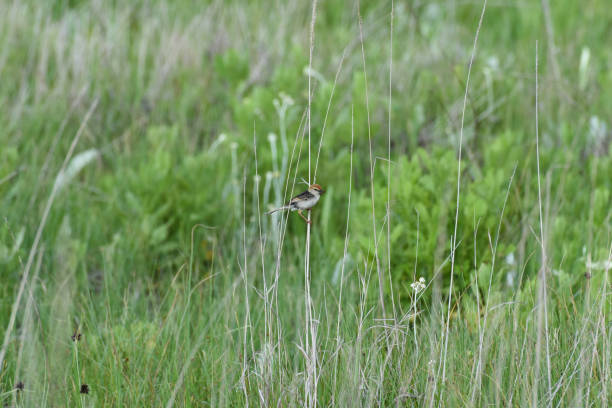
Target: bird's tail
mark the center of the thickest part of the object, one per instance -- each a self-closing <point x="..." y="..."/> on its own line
<point x="284" y="207"/>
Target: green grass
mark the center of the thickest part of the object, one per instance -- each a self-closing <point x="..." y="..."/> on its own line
<point x="141" y="142"/>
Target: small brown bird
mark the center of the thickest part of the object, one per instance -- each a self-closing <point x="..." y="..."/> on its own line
<point x="304" y="201"/>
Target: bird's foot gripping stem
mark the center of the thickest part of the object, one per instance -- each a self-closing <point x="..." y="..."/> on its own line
<point x="304" y="218"/>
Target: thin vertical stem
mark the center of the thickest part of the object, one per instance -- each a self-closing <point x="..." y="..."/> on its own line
<point x="365" y="77"/>
<point x="346" y="240"/>
<point x="310" y="388"/>
<point x="389" y="161"/>
<point x="542" y="315"/>
<point x="454" y="237"/>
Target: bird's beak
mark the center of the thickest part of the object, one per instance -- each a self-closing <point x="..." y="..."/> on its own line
<point x="321" y="192"/>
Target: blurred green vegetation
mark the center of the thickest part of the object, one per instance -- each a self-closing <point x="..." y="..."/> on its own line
<point x="200" y="127"/>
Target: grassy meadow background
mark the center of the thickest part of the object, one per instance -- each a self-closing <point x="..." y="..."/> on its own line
<point x="142" y="141"/>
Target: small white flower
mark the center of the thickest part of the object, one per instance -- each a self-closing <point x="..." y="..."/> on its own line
<point x="419" y="285"/>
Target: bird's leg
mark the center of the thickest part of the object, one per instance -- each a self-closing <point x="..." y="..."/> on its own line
<point x="305" y="219"/>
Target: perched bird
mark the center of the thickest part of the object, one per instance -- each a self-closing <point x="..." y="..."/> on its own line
<point x="304" y="201"/>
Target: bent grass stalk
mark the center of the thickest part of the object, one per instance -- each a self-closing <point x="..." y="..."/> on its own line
<point x="371" y="166"/>
<point x="454" y="237"/>
<point x="39" y="231"/>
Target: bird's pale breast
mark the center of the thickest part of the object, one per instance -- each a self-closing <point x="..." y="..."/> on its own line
<point x="305" y="204"/>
